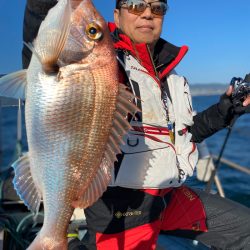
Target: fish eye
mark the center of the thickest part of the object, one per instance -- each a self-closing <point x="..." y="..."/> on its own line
<point x="94" y="31"/>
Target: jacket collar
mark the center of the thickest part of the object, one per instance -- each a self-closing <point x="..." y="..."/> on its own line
<point x="166" y="55"/>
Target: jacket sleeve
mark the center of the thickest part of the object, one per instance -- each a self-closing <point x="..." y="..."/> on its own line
<point x="35" y="12"/>
<point x="207" y="123"/>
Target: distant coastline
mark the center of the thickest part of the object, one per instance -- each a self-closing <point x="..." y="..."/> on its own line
<point x="196" y="89"/>
<point x="206" y="89"/>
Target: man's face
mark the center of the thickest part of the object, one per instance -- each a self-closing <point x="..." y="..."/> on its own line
<point x="143" y="28"/>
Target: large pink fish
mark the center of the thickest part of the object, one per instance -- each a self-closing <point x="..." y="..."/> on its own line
<point x="76" y="116"/>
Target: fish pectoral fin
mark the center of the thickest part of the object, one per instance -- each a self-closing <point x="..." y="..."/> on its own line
<point x="24" y="184"/>
<point x="14" y="85"/>
<point x="52" y="36"/>
<point x="96" y="187"/>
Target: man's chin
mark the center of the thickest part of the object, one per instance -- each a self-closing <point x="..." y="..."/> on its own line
<point x="145" y="40"/>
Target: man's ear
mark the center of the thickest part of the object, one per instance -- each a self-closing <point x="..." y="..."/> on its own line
<point x="116" y="18"/>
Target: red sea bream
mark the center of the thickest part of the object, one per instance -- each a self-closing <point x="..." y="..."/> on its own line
<point x="75" y="114"/>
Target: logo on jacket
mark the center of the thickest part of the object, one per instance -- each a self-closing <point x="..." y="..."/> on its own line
<point x="135" y="68"/>
<point x="191" y="196"/>
<point x="119" y="214"/>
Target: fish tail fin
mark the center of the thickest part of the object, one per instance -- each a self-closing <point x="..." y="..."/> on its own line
<point x="120" y="127"/>
<point x="24" y="184"/>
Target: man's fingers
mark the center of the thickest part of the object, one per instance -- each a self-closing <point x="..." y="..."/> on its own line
<point x="229" y="90"/>
<point x="246" y="101"/>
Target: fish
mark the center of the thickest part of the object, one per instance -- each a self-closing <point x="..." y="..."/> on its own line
<point x="76" y="115"/>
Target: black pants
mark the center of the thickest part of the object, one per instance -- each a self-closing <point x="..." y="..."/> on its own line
<point x="227" y="222"/>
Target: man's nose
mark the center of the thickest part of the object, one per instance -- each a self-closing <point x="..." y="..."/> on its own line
<point x="147" y="13"/>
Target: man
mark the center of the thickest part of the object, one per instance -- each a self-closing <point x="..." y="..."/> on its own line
<point x="146" y="195"/>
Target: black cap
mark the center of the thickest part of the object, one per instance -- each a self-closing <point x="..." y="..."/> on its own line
<point x="116" y="5"/>
<point x="247" y="78"/>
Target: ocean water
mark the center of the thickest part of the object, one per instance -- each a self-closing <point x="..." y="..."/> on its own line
<point x="236" y="184"/>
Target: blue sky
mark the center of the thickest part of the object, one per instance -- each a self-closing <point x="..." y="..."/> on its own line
<point x="216" y="31"/>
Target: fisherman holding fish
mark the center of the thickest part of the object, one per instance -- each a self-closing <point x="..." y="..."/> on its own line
<point x="146" y="194"/>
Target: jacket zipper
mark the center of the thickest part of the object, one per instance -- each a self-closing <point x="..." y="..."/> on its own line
<point x="152" y="61"/>
<point x="181" y="173"/>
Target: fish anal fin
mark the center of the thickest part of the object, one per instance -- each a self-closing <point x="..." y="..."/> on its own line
<point x="24" y="184"/>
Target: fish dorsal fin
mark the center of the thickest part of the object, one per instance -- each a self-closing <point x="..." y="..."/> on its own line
<point x="52" y="36"/>
<point x="24" y="184"/>
<point x="13" y="85"/>
<point x="120" y="127"/>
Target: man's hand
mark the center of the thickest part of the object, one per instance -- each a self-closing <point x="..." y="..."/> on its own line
<point x="241" y="109"/>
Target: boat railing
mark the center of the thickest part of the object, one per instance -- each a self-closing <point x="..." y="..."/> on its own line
<point x="206" y="166"/>
<point x="233" y="165"/>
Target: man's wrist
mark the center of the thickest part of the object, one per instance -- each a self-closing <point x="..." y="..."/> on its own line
<point x="225" y="107"/>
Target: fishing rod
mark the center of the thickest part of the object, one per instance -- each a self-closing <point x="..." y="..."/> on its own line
<point x="241" y="89"/>
<point x="1" y="145"/>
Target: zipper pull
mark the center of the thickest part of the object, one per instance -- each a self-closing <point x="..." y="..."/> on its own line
<point x="181" y="174"/>
<point x="171" y="131"/>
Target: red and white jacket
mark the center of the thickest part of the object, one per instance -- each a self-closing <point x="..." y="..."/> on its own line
<point x="151" y="159"/>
